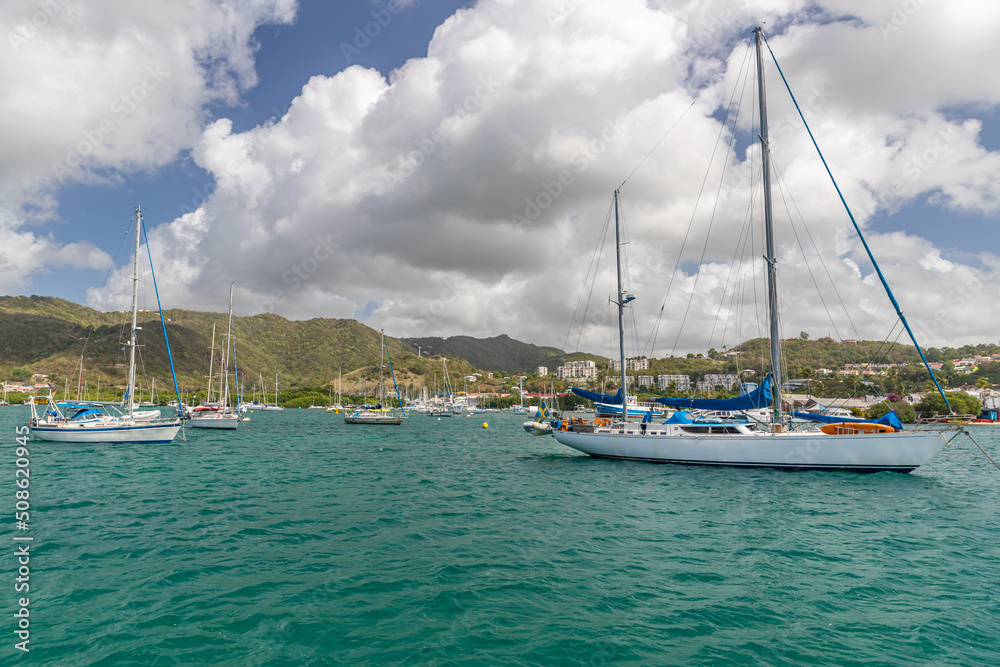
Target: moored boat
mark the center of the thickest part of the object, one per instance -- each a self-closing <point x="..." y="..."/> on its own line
<point x="853" y="444"/>
<point x="97" y="422"/>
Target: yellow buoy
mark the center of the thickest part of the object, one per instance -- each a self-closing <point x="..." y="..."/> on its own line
<point x="485" y="425"/>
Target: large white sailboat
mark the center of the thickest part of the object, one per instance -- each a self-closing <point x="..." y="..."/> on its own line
<point x="85" y="423"/>
<point x="856" y="445"/>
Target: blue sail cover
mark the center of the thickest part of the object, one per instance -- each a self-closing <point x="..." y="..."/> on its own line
<point x="761" y="397"/>
<point x="617" y="399"/>
<point x="888" y="419"/>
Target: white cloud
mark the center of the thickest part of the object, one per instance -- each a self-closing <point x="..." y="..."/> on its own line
<point x="463" y="193"/>
<point x="96" y="91"/>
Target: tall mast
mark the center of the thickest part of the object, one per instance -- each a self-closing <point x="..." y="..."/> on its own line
<point x="211" y="367"/>
<point x="225" y="354"/>
<point x="772" y="267"/>
<point x="381" y="365"/>
<point x="135" y="314"/>
<point x="622" y="300"/>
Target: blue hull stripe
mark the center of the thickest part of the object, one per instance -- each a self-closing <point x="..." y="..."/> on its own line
<point x="778" y="466"/>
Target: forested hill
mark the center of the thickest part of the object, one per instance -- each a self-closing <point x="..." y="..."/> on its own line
<point x="500" y="353"/>
<point x="802" y="354"/>
<point x="49" y="335"/>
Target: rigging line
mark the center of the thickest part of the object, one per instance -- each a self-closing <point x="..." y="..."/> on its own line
<point x="892" y="346"/>
<point x="594" y="264"/>
<point x="781" y="192"/>
<point x="100" y="292"/>
<point x="681" y="117"/>
<point x="748" y="241"/>
<point x="718" y="196"/>
<point x="741" y="243"/>
<point x="857" y="228"/>
<point x="725" y="289"/>
<point x="981" y="449"/>
<point x="687" y="233"/>
<point x="844" y="390"/>
<point x="739" y="285"/>
<point x="822" y="262"/>
<point x="593" y="280"/>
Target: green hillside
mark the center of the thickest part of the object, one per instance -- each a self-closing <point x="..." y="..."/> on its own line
<point x="49" y="335"/>
<point x="500" y="353"/>
<point x="56" y="337"/>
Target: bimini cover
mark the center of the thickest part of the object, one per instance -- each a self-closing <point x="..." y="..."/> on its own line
<point x="888" y="419"/>
<point x="679" y="417"/>
<point x="760" y="397"/>
<point x="617" y="399"/>
<point x="89" y="412"/>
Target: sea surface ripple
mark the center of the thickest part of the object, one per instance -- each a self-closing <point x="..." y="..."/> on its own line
<point x="302" y="540"/>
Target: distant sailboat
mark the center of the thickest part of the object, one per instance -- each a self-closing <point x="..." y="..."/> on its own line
<point x="380" y="414"/>
<point x="275" y="405"/>
<point x="219" y="415"/>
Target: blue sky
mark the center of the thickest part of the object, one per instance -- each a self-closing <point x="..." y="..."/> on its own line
<point x="416" y="185"/>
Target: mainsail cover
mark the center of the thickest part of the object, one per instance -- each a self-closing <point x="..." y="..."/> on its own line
<point x="888" y="419"/>
<point x="760" y="397"/>
<point x="617" y="399"/>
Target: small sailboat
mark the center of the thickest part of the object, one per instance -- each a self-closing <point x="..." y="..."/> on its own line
<point x="97" y="422"/>
<point x="379" y="414"/>
<point x="854" y="445"/>
<point x="275" y="405"/>
<point x="219" y="415"/>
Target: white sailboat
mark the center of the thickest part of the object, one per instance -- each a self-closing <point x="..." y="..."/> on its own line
<point x="219" y="415"/>
<point x="379" y="414"/>
<point x="857" y="446"/>
<point x="273" y="406"/>
<point x="88" y="423"/>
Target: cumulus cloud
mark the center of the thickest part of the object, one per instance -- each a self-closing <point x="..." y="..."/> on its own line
<point x="465" y="191"/>
<point x="96" y="91"/>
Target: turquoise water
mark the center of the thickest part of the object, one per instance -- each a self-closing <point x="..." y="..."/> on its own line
<point x="302" y="540"/>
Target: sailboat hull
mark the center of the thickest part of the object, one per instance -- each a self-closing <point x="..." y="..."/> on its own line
<point x="228" y="422"/>
<point x="868" y="453"/>
<point x="384" y="420"/>
<point x="138" y="433"/>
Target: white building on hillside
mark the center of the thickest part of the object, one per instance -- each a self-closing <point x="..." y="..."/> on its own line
<point x="577" y="369"/>
<point x="682" y="382"/>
